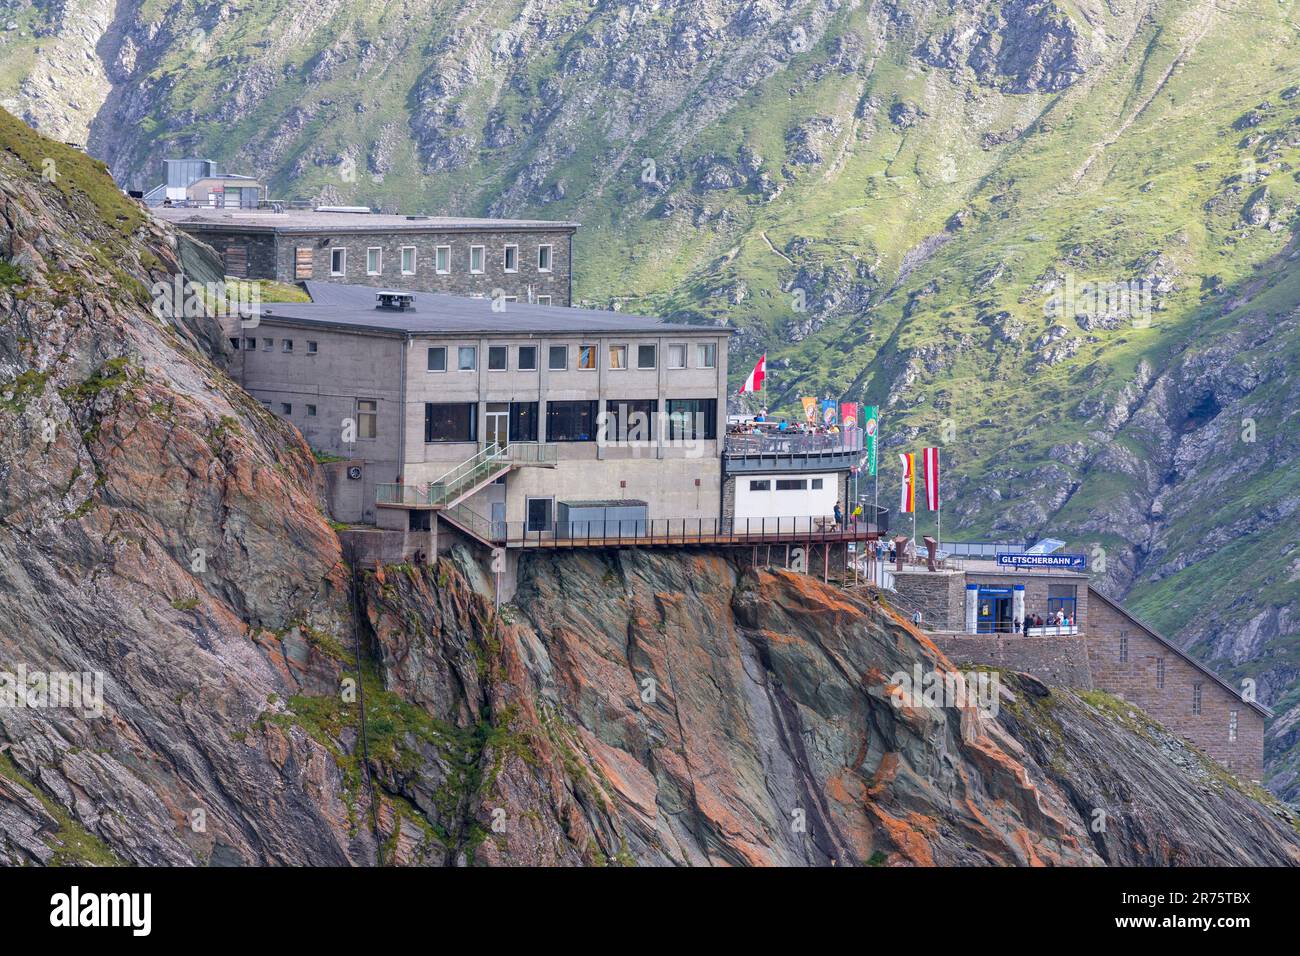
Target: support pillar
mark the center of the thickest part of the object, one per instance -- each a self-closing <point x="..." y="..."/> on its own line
<point x="1017" y="607"/>
<point x="972" y="608"/>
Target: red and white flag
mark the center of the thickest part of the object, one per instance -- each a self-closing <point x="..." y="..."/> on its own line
<point x="930" y="463"/>
<point x="755" y="380"/>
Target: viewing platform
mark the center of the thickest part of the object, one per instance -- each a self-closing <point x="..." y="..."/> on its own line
<point x="791" y="451"/>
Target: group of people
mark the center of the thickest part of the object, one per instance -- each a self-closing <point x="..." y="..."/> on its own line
<point x="763" y="424"/>
<point x="1058" y="620"/>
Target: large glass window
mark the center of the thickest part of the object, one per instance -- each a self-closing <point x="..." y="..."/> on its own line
<point x="466" y="358"/>
<point x="527" y="358"/>
<point x="496" y="358"/>
<point x="523" y="421"/>
<point x="437" y="361"/>
<point x="570" y="421"/>
<point x="559" y="358"/>
<point x="1062" y="597"/>
<point x="630" y="420"/>
<point x="646" y="356"/>
<point x="450" y="421"/>
<point x="618" y="356"/>
<point x="706" y="355"/>
<point x="587" y="356"/>
<point x="692" y="418"/>
<point x="677" y="355"/>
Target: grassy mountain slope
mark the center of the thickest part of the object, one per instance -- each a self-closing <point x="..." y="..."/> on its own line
<point x="885" y="197"/>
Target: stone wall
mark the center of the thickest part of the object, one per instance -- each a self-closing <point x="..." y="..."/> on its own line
<point x="940" y="595"/>
<point x="1131" y="661"/>
<point x="1063" y="661"/>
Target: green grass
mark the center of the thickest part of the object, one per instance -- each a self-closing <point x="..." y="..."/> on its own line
<point x="73" y="844"/>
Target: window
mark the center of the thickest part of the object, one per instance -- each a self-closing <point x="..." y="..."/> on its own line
<point x="1196" y="697"/>
<point x="523" y="421"/>
<point x="618" y="357"/>
<point x="543" y="300"/>
<point x="466" y="358"/>
<point x="312" y="347"/>
<point x="442" y="260"/>
<point x="527" y="358"/>
<point x="476" y="259"/>
<point x="706" y="355"/>
<point x="1062" y="597"/>
<point x="539" y="513"/>
<point x="558" y="358"/>
<point x="646" y="356"/>
<point x="1232" y="725"/>
<point x="791" y="484"/>
<point x="1160" y="672"/>
<point x="250" y="344"/>
<point x="496" y="358"/>
<point x="311" y="411"/>
<point x="817" y="484"/>
<point x="512" y="258"/>
<point x="302" y="263"/>
<point x="692" y="418"/>
<point x="408" y="260"/>
<point x="760" y="484"/>
<point x="450" y="421"/>
<point x="436" y="360"/>
<point x="338" y="261"/>
<point x="630" y="420"/>
<point x="286" y="345"/>
<point x="570" y="421"/>
<point x="268" y="345"/>
<point x="367" y="418"/>
<point x="677" y="355"/>
<point x="286" y="408"/>
<point x="587" y="356"/>
<point x="510" y="298"/>
<point x="544" y="258"/>
<point x="1123" y="648"/>
<point x="374" y="261"/>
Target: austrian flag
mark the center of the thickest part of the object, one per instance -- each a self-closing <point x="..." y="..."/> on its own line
<point x="755" y="380"/>
<point x="907" y="496"/>
<point x="930" y="461"/>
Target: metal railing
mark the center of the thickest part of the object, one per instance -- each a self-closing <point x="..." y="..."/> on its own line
<point x="677" y="531"/>
<point x="533" y="453"/>
<point x="394" y="493"/>
<point x="467" y="474"/>
<point x="846" y="442"/>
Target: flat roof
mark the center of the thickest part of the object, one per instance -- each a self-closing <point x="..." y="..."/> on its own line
<point x="352" y="308"/>
<point x="313" y="221"/>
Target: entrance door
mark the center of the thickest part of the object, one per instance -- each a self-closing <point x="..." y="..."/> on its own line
<point x="994" y="611"/>
<point x="498" y="423"/>
<point x="539" y="514"/>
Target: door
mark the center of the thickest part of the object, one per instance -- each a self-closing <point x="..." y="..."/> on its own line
<point x="993" y="615"/>
<point x="498" y="520"/>
<point x="498" y="423"/>
<point x="539" y="514"/>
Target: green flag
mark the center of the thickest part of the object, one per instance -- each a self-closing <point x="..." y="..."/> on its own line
<point x="871" y="425"/>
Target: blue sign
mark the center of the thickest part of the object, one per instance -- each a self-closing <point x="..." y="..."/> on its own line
<point x="1055" y="562"/>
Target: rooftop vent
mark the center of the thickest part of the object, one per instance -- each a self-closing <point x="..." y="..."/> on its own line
<point x="360" y="209"/>
<point x="395" y="301"/>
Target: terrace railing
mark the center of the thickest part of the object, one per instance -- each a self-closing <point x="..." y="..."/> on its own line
<point x="491" y="460"/>
<point x="679" y="531"/>
<point x="846" y="442"/>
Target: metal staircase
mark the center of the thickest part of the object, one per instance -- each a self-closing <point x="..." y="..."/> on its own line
<point x="450" y="489"/>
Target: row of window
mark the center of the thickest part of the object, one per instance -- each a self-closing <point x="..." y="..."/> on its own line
<point x="442" y="260"/>
<point x="572" y="421"/>
<point x="647" y="357"/>
<point x="268" y="345"/>
<point x="786" y="484"/>
<point x="1160" y="683"/>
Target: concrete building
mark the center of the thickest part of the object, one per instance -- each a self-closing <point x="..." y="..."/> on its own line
<point x="502" y="422"/>
<point x="516" y="260"/>
<point x="972" y="612"/>
<point x="787" y="477"/>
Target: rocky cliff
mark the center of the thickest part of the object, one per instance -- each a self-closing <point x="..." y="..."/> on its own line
<point x="259" y="702"/>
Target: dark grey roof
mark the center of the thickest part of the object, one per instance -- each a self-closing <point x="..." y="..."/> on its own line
<point x="353" y="307"/>
<point x="312" y="221"/>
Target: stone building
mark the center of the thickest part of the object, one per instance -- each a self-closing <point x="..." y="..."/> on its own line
<point x="972" y="612"/>
<point x="517" y="260"/>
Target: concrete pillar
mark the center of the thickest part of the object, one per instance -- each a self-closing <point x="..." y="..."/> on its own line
<point x="1017" y="606"/>
<point x="972" y="608"/>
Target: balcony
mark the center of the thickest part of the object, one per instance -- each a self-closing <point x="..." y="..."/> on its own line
<point x="791" y="451"/>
